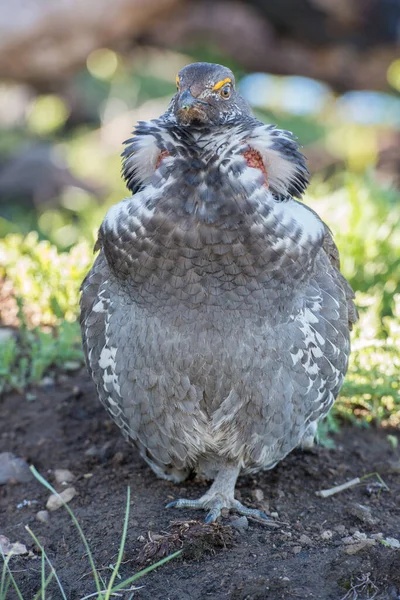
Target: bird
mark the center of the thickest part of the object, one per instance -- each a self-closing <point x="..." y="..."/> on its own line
<point x="215" y="319"/>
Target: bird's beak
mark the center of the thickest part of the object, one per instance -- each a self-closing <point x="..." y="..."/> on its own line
<point x="187" y="101"/>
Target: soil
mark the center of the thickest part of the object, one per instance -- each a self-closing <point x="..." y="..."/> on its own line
<point x="323" y="549"/>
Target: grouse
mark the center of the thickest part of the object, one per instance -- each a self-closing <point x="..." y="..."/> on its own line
<point x="215" y="319"/>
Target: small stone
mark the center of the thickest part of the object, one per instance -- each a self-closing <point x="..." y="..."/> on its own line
<point x="241" y="523"/>
<point x="359" y="535"/>
<point x="362" y="513"/>
<point x="257" y="495"/>
<point x="376" y="536"/>
<point x="391" y="542"/>
<point x="296" y="549"/>
<point x="141" y="538"/>
<point x="55" y="501"/>
<point x="7" y="548"/>
<point x="305" y="540"/>
<point x="13" y="468"/>
<point x="43" y="516"/>
<point x="348" y="540"/>
<point x="326" y="535"/>
<point x="275" y="515"/>
<point x="63" y="476"/>
<point x="341" y="529"/>
<point x="354" y="548"/>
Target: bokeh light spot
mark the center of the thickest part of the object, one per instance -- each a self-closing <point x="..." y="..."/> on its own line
<point x="393" y="74"/>
<point x="102" y="63"/>
<point x="47" y="114"/>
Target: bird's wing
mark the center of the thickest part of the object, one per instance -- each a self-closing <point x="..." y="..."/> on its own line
<point x="332" y="252"/>
<point x="95" y="305"/>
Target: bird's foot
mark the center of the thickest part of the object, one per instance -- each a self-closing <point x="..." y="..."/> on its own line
<point x="214" y="503"/>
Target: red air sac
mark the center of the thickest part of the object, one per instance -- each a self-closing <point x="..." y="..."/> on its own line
<point x="163" y="154"/>
<point x="255" y="161"/>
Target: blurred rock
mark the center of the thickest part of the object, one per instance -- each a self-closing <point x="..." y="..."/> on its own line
<point x="347" y="43"/>
<point x="13" y="468"/>
<point x="55" y="501"/>
<point x="63" y="476"/>
<point x="43" y="516"/>
<point x="36" y="175"/>
<point x="7" y="548"/>
<point x="50" y="40"/>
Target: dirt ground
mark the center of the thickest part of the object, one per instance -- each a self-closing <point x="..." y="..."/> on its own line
<point x="324" y="549"/>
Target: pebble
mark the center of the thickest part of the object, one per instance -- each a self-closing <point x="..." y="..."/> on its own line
<point x="7" y="548"/>
<point x="43" y="516"/>
<point x="392" y="542"/>
<point x="63" y="476"/>
<point x="55" y="501"/>
<point x="354" y="548"/>
<point x="13" y="468"/>
<point x="275" y="515"/>
<point x="241" y="523"/>
<point x="326" y="535"/>
<point x="296" y="549"/>
<point x="305" y="540"/>
<point x="341" y="529"/>
<point x="257" y="495"/>
<point x="361" y="512"/>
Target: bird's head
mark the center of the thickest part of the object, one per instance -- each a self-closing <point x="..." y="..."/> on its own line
<point x="206" y="95"/>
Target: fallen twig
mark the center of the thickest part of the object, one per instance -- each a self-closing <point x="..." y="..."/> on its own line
<point x="348" y="484"/>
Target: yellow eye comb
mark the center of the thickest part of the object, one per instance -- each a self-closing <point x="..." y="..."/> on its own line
<point x="221" y="83"/>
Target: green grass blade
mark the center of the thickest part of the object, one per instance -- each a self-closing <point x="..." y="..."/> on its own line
<point x="130" y="580"/>
<point x="41" y="594"/>
<point x="121" y="546"/>
<point x="11" y="576"/>
<point x="47" y="485"/>
<point x="52" y="569"/>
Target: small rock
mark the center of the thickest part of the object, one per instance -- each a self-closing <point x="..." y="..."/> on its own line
<point x="296" y="549"/>
<point x="43" y="516"/>
<point x="391" y="542"/>
<point x="305" y="540"/>
<point x="354" y="548"/>
<point x="55" y="501"/>
<point x="341" y="529"/>
<point x="241" y="523"/>
<point x="63" y="476"/>
<point x="275" y="515"/>
<point x="13" y="468"/>
<point x="376" y="536"/>
<point x="326" y="535"/>
<point x="359" y="535"/>
<point x="361" y="512"/>
<point x="257" y="495"/>
<point x="141" y="538"/>
<point x="8" y="548"/>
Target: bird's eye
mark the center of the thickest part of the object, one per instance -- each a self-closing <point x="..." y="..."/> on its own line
<point x="177" y="82"/>
<point x="225" y="91"/>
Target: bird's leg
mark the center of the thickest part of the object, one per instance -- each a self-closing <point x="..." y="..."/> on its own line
<point x="219" y="496"/>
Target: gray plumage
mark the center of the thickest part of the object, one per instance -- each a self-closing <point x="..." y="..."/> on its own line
<point x="215" y="320"/>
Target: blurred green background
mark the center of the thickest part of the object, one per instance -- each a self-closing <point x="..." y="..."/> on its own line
<point x="63" y="126"/>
